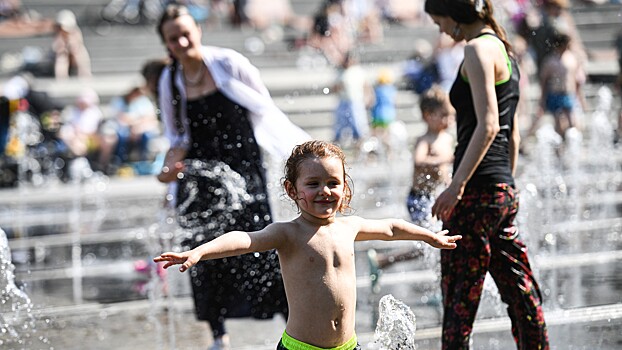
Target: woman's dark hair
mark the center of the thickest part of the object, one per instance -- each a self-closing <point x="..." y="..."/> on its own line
<point x="436" y="7"/>
<point x="172" y="12"/>
<point x="467" y="12"/>
<point x="320" y="18"/>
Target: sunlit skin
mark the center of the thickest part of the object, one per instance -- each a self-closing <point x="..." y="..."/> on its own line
<point x="434" y="151"/>
<point x="484" y="65"/>
<point x="320" y="191"/>
<point x="448" y="26"/>
<point x="182" y="37"/>
<point x="316" y="252"/>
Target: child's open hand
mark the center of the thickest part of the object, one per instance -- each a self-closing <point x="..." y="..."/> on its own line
<point x="442" y="241"/>
<point x="186" y="259"/>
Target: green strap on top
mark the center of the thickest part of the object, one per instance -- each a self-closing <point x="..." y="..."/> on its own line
<point x="491" y="36"/>
<point x="294" y="344"/>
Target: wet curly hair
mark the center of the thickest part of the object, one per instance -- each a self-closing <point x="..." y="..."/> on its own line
<point x="318" y="149"/>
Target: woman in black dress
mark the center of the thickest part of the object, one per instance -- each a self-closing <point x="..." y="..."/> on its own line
<point x="218" y="116"/>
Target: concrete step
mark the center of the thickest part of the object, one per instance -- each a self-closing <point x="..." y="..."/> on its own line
<point x="125" y="47"/>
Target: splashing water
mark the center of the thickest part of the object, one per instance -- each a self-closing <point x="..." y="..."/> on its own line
<point x="15" y="305"/>
<point x="396" y="325"/>
<point x="226" y="183"/>
<point x="228" y="194"/>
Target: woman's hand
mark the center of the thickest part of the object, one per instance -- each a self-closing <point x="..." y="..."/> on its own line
<point x="173" y="165"/>
<point x="169" y="173"/>
<point x="445" y="203"/>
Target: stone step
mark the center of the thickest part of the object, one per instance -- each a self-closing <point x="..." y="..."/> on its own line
<point x="124" y="48"/>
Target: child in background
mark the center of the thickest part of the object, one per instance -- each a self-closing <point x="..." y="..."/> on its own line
<point x="355" y="96"/>
<point x="383" y="111"/>
<point x="561" y="81"/>
<point x="433" y="155"/>
<point x="316" y="249"/>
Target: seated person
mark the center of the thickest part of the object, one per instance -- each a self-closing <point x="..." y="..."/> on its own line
<point x="79" y="131"/>
<point x="136" y="124"/>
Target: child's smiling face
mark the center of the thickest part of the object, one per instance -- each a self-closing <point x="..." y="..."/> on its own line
<point x="319" y="190"/>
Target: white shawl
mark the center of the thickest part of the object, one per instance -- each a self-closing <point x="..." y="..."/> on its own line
<point x="240" y="81"/>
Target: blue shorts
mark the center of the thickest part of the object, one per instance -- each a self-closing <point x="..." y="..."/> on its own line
<point x="556" y="102"/>
<point x="420" y="207"/>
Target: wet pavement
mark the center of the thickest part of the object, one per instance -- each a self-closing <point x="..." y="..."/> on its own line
<point x="142" y="325"/>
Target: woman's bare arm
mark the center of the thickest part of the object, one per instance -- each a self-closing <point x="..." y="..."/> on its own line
<point x="479" y="67"/>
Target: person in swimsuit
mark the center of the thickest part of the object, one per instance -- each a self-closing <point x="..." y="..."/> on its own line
<point x="316" y="249"/>
<point x="481" y="202"/>
<point x="561" y="84"/>
<point x="218" y="117"/>
<point x="433" y="156"/>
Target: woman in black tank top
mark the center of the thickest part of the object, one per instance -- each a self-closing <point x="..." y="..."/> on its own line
<point x="481" y="202"/>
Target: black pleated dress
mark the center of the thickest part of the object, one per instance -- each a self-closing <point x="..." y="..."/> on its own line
<point x="224" y="189"/>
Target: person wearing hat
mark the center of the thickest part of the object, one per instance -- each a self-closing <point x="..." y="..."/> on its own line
<point x="68" y="46"/>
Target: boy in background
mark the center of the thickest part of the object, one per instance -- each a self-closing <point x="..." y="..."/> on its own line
<point x="561" y="79"/>
<point x="433" y="156"/>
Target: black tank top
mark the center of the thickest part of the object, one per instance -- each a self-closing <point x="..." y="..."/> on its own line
<point x="495" y="167"/>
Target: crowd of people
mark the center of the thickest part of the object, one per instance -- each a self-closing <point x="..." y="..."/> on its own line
<point x="211" y="108"/>
<point x="546" y="44"/>
<point x="123" y="130"/>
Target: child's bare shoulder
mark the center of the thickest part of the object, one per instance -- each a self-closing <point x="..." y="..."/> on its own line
<point x="422" y="140"/>
<point x="446" y="137"/>
<point x="283" y="227"/>
<point x="350" y="217"/>
<point x="282" y="231"/>
<point x="352" y="221"/>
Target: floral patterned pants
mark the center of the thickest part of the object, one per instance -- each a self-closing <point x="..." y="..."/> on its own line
<point x="490" y="243"/>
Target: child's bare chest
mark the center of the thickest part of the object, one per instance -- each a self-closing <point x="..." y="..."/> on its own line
<point x="330" y="249"/>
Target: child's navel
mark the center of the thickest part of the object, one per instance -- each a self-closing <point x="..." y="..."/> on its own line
<point x="335" y="324"/>
<point x="336" y="261"/>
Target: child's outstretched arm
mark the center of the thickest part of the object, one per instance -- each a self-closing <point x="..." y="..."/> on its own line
<point x="398" y="229"/>
<point x="230" y="244"/>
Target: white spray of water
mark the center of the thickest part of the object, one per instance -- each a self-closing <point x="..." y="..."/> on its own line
<point x="396" y="325"/>
<point x="15" y="305"/>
